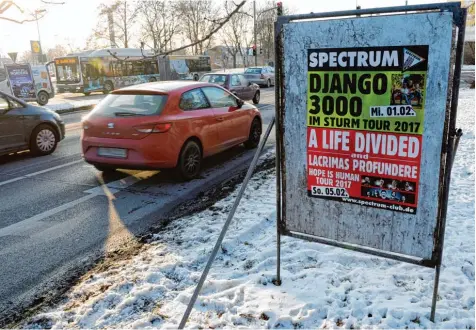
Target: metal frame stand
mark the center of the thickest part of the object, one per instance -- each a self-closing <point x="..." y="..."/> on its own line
<point x="449" y="145"/>
<point x="225" y="226"/>
<point x="455" y="141"/>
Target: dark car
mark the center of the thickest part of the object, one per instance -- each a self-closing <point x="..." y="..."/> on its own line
<point x="235" y="83"/>
<point x="24" y="126"/>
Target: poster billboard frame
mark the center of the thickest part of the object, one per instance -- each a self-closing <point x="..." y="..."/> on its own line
<point x="449" y="144"/>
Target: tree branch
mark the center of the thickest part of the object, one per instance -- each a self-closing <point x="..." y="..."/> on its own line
<point x="23" y="21"/>
<point x="52" y="3"/>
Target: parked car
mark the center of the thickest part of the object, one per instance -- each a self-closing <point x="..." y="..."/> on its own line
<point x="24" y="126"/>
<point x="263" y="76"/>
<point x="173" y="124"/>
<point x="235" y="83"/>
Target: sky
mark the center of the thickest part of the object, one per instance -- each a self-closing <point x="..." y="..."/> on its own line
<point x="72" y="22"/>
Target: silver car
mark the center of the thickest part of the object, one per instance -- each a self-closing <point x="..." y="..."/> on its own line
<point x="260" y="75"/>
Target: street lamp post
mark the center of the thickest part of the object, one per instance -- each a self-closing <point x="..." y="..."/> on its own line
<point x="36" y="12"/>
<point x="254" y="30"/>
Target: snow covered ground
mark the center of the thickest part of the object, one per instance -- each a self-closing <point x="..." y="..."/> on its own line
<point x="322" y="286"/>
<point x="63" y="105"/>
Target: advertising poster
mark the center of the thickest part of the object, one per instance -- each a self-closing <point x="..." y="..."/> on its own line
<point x="365" y="114"/>
<point x="21" y="81"/>
<point x="41" y="78"/>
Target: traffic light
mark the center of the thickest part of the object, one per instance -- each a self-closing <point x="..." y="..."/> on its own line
<point x="279" y="8"/>
<point x="254" y="50"/>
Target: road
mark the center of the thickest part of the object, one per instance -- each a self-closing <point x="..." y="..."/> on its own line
<point x="59" y="214"/>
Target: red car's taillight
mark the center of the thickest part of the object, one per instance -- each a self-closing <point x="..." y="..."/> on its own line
<point x="153" y="128"/>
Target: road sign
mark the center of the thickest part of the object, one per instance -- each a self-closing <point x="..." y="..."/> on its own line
<point x="35" y="47"/>
<point x="365" y="133"/>
<point x="13" y="56"/>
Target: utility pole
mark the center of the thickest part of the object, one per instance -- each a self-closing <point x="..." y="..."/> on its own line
<point x="254" y="30"/>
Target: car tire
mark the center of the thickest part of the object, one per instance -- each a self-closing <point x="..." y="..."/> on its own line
<point x="87" y="93"/>
<point x="196" y="77"/>
<point x="190" y="161"/>
<point x="268" y="83"/>
<point x="255" y="135"/>
<point x="256" y="97"/>
<point x="108" y="87"/>
<point x="43" y="98"/>
<point x="43" y="140"/>
<point x="104" y="168"/>
<point x="152" y="79"/>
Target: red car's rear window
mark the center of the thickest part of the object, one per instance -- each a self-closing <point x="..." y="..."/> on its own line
<point x="125" y="105"/>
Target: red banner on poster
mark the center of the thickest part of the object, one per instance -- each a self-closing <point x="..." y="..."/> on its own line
<point x="368" y="168"/>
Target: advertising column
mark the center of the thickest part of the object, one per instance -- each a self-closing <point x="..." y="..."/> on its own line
<point x="365" y="113"/>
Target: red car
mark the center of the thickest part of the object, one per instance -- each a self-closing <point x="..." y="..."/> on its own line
<point x="167" y="125"/>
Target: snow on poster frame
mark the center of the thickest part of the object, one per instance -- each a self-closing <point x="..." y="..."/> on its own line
<point x="365" y="110"/>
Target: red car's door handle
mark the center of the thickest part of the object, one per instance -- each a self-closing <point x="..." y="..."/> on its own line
<point x="220" y="118"/>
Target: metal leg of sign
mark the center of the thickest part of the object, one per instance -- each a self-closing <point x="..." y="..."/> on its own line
<point x="457" y="137"/>
<point x="225" y="227"/>
<point x="435" y="293"/>
<point x="278" y="261"/>
<point x="278" y="114"/>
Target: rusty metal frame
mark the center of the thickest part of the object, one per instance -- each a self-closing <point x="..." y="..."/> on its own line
<point x="449" y="144"/>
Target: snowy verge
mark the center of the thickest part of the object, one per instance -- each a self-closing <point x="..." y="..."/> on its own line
<point x="322" y="286"/>
<point x="72" y="105"/>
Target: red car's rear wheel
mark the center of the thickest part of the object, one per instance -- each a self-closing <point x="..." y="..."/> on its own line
<point x="190" y="160"/>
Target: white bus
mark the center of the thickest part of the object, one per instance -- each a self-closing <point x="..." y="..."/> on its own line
<point x="99" y="71"/>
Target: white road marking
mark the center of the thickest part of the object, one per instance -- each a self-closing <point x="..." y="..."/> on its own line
<point x="10" y="181"/>
<point x="113" y="187"/>
<point x="32" y="222"/>
<point x="39" y="172"/>
<point x="53" y="168"/>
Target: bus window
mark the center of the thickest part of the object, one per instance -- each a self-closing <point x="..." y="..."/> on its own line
<point x="151" y="67"/>
<point x="67" y="71"/>
<point x="138" y="68"/>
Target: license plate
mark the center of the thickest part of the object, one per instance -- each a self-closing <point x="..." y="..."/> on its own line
<point x="112" y="152"/>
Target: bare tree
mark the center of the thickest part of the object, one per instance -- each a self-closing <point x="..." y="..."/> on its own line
<point x="265" y="29"/>
<point x="234" y="34"/>
<point x="197" y="18"/>
<point x="26" y="57"/>
<point x="116" y="23"/>
<point x="56" y="51"/>
<point x="214" y="28"/>
<point x="161" y="23"/>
